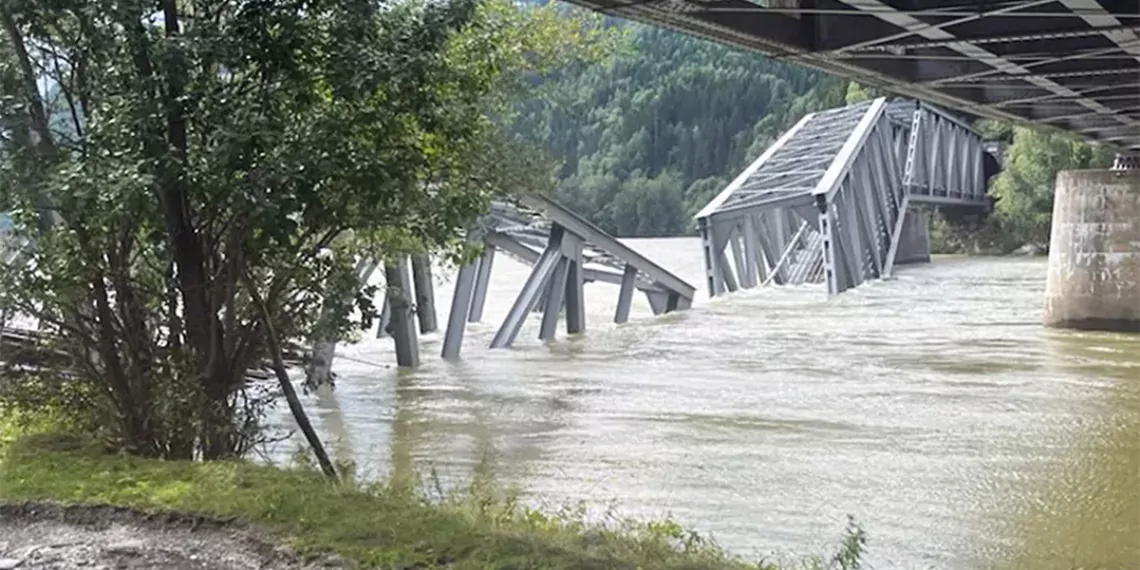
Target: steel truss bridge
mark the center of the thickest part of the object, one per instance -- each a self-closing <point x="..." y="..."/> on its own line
<point x="565" y="251"/>
<point x="829" y="200"/>
<point x="1072" y="65"/>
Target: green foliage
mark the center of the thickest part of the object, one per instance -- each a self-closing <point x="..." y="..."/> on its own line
<point x="992" y="130"/>
<point x="1024" y="189"/>
<point x="857" y="93"/>
<point x="641" y="142"/>
<point x="186" y="163"/>
<point x="850" y="554"/>
<point x="377" y="526"/>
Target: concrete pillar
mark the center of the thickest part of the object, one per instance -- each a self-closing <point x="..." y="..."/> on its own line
<point x="1094" y="252"/>
<point x="914" y="243"/>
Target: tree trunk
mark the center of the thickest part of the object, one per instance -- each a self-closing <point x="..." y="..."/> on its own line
<point x="287" y="389"/>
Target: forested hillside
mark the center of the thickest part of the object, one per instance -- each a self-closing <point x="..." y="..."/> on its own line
<point x="642" y="141"/>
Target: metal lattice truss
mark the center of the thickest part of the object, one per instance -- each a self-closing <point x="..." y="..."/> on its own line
<point x="827" y="201"/>
<point x="1072" y="65"/>
<point x="566" y="251"/>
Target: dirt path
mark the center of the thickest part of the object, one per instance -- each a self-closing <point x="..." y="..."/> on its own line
<point x="53" y="537"/>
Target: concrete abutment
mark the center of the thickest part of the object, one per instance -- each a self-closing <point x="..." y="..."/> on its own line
<point x="914" y="242"/>
<point x="1094" y="253"/>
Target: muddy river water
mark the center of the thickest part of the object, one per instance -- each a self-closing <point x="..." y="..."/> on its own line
<point x="933" y="407"/>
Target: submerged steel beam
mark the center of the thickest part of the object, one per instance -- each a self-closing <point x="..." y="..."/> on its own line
<point x="402" y="324"/>
<point x="558" y="244"/>
<point x="462" y="302"/>
<point x="482" y="284"/>
<point x="425" y="293"/>
<point x="625" y="296"/>
<point x="540" y="275"/>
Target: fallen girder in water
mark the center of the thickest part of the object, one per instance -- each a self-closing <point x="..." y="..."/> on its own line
<point x="565" y="252"/>
<point x="830" y="199"/>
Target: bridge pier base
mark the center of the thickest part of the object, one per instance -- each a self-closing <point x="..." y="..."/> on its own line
<point x="1094" y="252"/>
<point x="914" y="242"/>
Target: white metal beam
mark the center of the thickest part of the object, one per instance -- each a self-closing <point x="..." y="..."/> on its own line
<point x="908" y="22"/>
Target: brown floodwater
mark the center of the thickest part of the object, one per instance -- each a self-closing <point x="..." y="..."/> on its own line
<point x="932" y="407"/>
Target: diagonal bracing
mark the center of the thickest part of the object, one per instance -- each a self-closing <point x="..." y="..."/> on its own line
<point x="565" y="252"/>
<point x="828" y="200"/>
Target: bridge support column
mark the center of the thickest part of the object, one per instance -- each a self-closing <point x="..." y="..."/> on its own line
<point x="1094" y="252"/>
<point x="384" y="321"/>
<point x="401" y="321"/>
<point x="425" y="293"/>
<point x="914" y="242"/>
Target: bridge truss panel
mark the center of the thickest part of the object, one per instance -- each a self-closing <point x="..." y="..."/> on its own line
<point x="826" y="202"/>
<point x="565" y="252"/>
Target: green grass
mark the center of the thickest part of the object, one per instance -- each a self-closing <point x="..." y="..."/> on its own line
<point x="377" y="526"/>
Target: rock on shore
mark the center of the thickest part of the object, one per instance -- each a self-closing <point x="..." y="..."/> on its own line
<point x="46" y="536"/>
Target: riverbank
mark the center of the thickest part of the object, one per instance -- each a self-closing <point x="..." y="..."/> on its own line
<point x="378" y="526"/>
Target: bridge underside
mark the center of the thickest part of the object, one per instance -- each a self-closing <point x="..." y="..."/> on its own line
<point x="1072" y="65"/>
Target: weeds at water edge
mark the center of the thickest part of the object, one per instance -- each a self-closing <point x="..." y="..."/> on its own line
<point x="401" y="522"/>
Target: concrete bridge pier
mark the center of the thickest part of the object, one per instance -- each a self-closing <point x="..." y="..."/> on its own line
<point x="914" y="241"/>
<point x="1094" y="251"/>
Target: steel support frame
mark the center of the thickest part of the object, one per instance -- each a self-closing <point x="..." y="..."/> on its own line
<point x="559" y="256"/>
<point x="946" y="164"/>
<point x="765" y="215"/>
<point x="844" y="229"/>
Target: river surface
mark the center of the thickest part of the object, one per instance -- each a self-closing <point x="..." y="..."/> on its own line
<point x="933" y="407"/>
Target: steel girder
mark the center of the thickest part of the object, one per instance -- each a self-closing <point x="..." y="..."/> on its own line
<point x="827" y="201"/>
<point x="943" y="160"/>
<point x="1067" y="65"/>
<point x="565" y="252"/>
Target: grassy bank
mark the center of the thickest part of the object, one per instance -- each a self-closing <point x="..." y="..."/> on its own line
<point x="376" y="526"/>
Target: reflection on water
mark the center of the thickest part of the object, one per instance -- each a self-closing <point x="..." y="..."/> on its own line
<point x="1086" y="510"/>
<point x="933" y="407"/>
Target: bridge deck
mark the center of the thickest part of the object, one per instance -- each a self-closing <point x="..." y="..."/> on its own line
<point x="1072" y="65"/>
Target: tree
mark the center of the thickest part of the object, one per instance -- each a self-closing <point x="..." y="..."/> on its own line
<point x="215" y="154"/>
<point x="702" y="192"/>
<point x="1024" y="189"/>
<point x="671" y="105"/>
<point x="857" y="92"/>
<point x="508" y="46"/>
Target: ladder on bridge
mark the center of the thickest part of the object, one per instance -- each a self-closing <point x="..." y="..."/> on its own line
<point x="829" y="200"/>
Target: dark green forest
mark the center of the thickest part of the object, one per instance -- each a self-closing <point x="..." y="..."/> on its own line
<point x="640" y="141"/>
